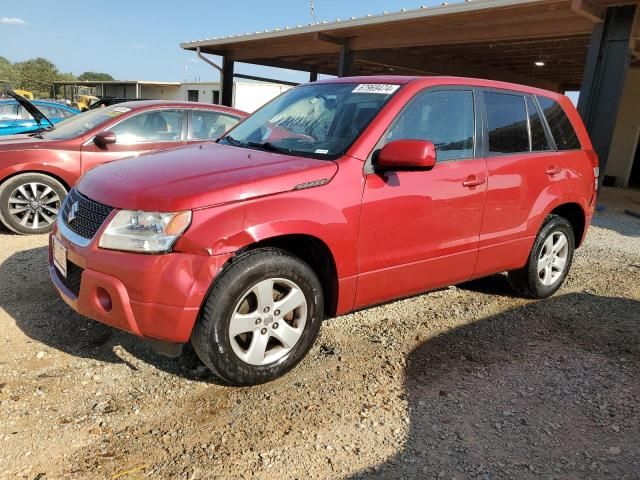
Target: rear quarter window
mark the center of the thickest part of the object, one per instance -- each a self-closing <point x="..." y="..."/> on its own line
<point x="559" y="124"/>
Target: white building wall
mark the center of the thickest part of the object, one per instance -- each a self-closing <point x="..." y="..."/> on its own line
<point x="251" y="96"/>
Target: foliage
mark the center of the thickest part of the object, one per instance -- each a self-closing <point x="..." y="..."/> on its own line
<point x="93" y="76"/>
<point x="37" y="75"/>
<point x="7" y="73"/>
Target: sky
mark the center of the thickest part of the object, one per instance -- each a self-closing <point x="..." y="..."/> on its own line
<point x="139" y="39"/>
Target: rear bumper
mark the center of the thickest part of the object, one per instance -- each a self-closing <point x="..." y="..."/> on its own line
<point x="154" y="296"/>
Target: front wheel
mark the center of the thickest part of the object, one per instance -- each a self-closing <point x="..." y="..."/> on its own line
<point x="549" y="260"/>
<point x="260" y="319"/>
<point x="30" y="202"/>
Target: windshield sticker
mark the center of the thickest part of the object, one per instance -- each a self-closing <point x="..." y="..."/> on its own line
<point x="383" y="88"/>
<point x="322" y="151"/>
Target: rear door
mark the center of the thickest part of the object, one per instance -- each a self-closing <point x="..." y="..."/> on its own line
<point x="525" y="174"/>
<point x="147" y="131"/>
<point x="208" y="125"/>
<point x="419" y="229"/>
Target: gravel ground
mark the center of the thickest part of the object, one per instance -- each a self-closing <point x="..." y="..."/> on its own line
<point x="466" y="382"/>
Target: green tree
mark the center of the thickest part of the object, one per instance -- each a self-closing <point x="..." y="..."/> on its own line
<point x="7" y="73"/>
<point x="36" y="75"/>
<point x="95" y="76"/>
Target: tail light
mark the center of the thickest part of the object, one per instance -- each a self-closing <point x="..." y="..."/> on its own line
<point x="593" y="156"/>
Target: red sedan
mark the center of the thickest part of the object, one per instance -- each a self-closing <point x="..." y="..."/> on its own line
<point x="37" y="170"/>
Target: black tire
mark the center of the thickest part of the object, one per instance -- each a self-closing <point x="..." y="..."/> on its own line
<point x="527" y="281"/>
<point x="211" y="338"/>
<point x="11" y="186"/>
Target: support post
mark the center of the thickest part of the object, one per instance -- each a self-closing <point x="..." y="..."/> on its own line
<point x="346" y="60"/>
<point x="313" y="75"/>
<point x="605" y="70"/>
<point x="227" y="81"/>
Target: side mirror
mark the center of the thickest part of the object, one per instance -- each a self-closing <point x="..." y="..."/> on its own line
<point x="105" y="138"/>
<point x="407" y="155"/>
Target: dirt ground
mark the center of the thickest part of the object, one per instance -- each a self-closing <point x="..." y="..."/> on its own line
<point x="466" y="382"/>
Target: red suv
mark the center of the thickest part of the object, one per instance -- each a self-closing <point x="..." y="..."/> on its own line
<point x="336" y="195"/>
<point x="37" y="170"/>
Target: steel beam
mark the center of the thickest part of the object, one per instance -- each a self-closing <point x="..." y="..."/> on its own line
<point x="606" y="66"/>
<point x="265" y="79"/>
<point x="346" y="60"/>
<point x="226" y="81"/>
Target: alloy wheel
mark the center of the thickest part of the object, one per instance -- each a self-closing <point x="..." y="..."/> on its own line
<point x="552" y="260"/>
<point x="268" y="321"/>
<point x="34" y="205"/>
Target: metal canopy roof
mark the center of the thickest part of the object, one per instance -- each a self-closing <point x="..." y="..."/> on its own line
<point x="499" y="39"/>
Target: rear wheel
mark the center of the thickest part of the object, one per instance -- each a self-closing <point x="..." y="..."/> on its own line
<point x="30" y="202"/>
<point x="549" y="260"/>
<point x="260" y="319"/>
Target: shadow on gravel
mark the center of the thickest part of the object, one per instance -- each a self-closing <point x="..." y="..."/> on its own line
<point x="619" y="222"/>
<point x="547" y="390"/>
<point x="28" y="296"/>
<point x="493" y="285"/>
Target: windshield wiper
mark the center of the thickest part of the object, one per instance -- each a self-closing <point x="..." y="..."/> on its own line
<point x="232" y="141"/>
<point x="269" y="147"/>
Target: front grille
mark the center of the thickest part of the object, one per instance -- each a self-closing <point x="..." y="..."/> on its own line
<point x="89" y="215"/>
<point x="73" y="278"/>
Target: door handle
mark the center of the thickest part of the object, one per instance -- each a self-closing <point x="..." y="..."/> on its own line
<point x="553" y="170"/>
<point x="473" y="182"/>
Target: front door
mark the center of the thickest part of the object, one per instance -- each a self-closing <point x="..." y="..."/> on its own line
<point x="419" y="229"/>
<point x="144" y="132"/>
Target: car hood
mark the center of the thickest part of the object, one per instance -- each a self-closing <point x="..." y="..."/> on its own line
<point x="199" y="176"/>
<point x="21" y="142"/>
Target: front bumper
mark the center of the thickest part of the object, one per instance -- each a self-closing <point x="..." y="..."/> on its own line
<point x="154" y="296"/>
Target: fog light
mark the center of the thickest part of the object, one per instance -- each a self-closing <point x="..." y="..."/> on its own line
<point x="104" y="299"/>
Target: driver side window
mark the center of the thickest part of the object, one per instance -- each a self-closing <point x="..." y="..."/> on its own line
<point x="152" y="126"/>
<point x="444" y="117"/>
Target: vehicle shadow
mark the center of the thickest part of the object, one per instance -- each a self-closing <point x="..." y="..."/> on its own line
<point x="547" y="390"/>
<point x="493" y="285"/>
<point x="621" y="223"/>
<point x="28" y="296"/>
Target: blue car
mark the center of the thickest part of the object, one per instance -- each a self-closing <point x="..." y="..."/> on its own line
<point x="15" y="118"/>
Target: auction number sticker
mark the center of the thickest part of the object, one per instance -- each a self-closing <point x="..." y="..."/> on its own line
<point x="382" y="88"/>
<point x="117" y="111"/>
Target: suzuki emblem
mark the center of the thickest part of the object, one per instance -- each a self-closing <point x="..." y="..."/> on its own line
<point x="73" y="211"/>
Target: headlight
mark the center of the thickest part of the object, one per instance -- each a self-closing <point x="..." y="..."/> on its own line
<point x="146" y="232"/>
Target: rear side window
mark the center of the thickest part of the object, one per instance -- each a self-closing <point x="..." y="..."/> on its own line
<point x="539" y="139"/>
<point x="561" y="128"/>
<point x="443" y="117"/>
<point x="206" y="125"/>
<point x="506" y="123"/>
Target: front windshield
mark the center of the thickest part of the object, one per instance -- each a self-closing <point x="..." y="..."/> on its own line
<point x="83" y="122"/>
<point x="318" y="120"/>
